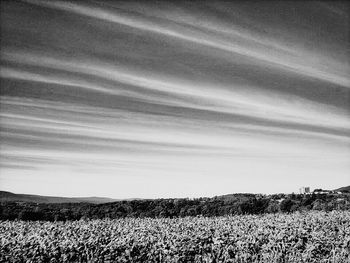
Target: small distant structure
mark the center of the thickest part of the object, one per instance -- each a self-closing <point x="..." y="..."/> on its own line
<point x="304" y="190"/>
<point x="321" y="191"/>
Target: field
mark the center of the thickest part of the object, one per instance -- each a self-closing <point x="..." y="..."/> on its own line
<point x="298" y="237"/>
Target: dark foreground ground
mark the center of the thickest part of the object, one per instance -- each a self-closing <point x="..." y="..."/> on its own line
<point x="298" y="237"/>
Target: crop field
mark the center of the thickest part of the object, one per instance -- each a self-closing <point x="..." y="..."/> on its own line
<point x="298" y="237"/>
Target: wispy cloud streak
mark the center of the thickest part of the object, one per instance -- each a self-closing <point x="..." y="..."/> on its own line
<point x="291" y="63"/>
<point x="249" y="102"/>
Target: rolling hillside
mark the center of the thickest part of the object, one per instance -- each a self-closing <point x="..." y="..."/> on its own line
<point x="12" y="197"/>
<point x="345" y="188"/>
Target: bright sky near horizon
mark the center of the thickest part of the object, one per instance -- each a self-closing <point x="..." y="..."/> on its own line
<point x="147" y="99"/>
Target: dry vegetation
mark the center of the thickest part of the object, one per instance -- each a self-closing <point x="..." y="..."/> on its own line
<point x="298" y="237"/>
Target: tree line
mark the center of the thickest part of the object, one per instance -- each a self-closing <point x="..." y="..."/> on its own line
<point x="235" y="204"/>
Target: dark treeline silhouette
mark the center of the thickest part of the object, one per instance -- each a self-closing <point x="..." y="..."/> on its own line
<point x="216" y="206"/>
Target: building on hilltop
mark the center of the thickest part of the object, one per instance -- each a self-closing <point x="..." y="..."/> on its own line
<point x="304" y="190"/>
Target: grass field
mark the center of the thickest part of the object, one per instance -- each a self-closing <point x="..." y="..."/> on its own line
<point x="309" y="237"/>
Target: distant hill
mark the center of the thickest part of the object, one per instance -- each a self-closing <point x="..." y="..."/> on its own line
<point x="11" y="197"/>
<point x="345" y="188"/>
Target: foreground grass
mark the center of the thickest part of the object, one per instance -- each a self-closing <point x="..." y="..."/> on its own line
<point x="309" y="237"/>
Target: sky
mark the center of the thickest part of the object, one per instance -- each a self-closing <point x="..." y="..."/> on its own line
<point x="158" y="99"/>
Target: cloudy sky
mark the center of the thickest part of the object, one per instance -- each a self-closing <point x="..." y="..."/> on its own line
<point x="173" y="99"/>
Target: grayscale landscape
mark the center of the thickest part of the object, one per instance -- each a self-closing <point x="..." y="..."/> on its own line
<point x="174" y="131"/>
